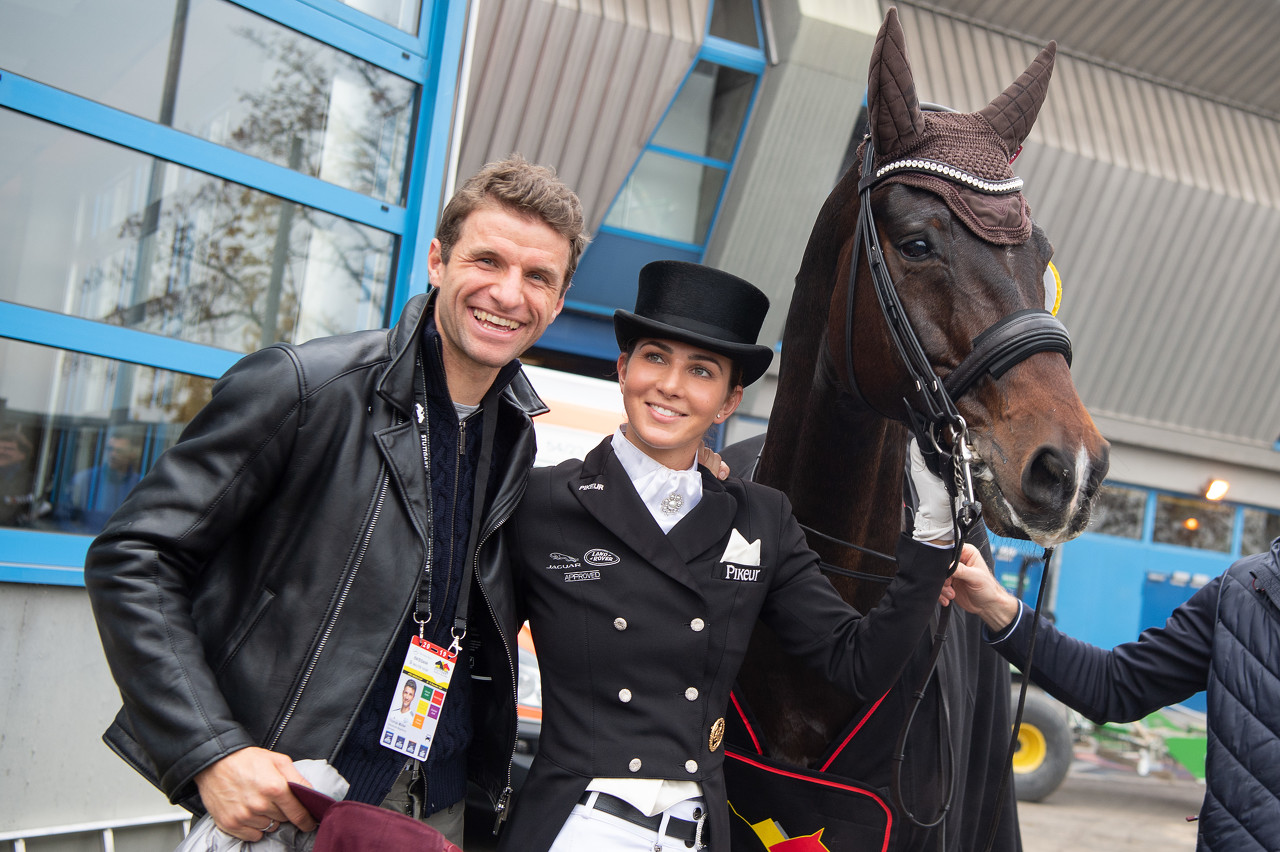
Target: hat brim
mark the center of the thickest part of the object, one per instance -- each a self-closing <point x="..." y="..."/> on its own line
<point x="753" y="359"/>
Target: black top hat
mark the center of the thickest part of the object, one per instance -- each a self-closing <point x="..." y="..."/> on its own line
<point x="701" y="306"/>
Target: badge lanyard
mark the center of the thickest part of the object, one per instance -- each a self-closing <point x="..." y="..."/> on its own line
<point x="428" y="668"/>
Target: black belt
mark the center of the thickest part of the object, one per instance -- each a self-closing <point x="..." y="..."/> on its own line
<point x="680" y="829"/>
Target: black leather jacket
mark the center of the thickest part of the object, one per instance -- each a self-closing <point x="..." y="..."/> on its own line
<point x="252" y="585"/>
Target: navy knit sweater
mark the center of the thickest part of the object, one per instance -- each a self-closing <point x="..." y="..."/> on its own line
<point x="370" y="768"/>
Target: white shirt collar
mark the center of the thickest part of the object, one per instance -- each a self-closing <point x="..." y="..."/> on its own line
<point x="668" y="494"/>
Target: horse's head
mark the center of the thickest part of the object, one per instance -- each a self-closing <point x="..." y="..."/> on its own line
<point x="963" y="254"/>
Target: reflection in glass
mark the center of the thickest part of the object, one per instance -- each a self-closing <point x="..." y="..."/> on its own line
<point x="78" y="431"/>
<point x="1190" y="522"/>
<point x="706" y="117"/>
<point x="1261" y="527"/>
<point x="401" y="14"/>
<point x="98" y="231"/>
<point x="734" y="20"/>
<point x="668" y="197"/>
<point x="217" y="71"/>
<point x="1119" y="511"/>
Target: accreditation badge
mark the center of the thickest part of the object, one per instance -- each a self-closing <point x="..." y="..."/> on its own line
<point x="416" y="705"/>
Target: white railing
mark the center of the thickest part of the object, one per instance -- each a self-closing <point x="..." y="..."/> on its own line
<point x="105" y="828"/>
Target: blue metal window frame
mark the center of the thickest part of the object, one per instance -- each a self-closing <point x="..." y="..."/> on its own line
<point x="430" y="59"/>
<point x="717" y="51"/>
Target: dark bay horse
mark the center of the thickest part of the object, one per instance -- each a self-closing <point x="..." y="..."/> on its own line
<point x="964" y="257"/>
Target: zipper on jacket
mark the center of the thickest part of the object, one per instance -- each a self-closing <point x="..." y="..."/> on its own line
<point x="337" y="610"/>
<point x="504" y="799"/>
<point x="453" y="506"/>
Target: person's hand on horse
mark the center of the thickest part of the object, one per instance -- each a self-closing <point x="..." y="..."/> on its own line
<point x="975" y="588"/>
<point x="933" y="512"/>
<point x="247" y="793"/>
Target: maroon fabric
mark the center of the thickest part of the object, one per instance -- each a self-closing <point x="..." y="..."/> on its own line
<point x="357" y="827"/>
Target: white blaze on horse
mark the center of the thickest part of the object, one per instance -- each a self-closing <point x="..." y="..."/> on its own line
<point x="957" y="339"/>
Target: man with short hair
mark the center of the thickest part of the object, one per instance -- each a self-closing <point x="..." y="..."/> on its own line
<point x="263" y="589"/>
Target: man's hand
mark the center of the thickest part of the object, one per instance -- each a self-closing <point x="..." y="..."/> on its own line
<point x="247" y="793"/>
<point x="712" y="462"/>
<point x="977" y="590"/>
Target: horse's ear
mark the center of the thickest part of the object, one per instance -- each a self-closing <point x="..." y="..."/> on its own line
<point x="1013" y="112"/>
<point x="896" y="121"/>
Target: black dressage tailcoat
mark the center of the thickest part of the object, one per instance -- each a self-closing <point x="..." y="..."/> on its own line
<point x="640" y="635"/>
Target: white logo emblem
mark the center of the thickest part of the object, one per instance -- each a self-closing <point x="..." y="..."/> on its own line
<point x="600" y="556"/>
<point x="595" y="486"/>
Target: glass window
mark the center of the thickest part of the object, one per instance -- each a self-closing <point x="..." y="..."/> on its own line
<point x="1261" y="527"/>
<point x="706" y="117"/>
<point x="78" y="431"/>
<point x="219" y="72"/>
<point x="95" y="230"/>
<point x="1119" y="511"/>
<point x="668" y="197"/>
<point x="734" y="20"/>
<point x="1191" y="522"/>
<point x="401" y="14"/>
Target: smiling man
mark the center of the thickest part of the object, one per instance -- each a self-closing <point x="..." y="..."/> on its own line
<point x="308" y="541"/>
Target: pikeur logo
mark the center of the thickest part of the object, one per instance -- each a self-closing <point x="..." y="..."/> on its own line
<point x="744" y="575"/>
<point x="595" y="486"/>
<point x="600" y="556"/>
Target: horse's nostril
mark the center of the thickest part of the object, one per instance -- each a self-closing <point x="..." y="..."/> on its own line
<point x="1049" y="480"/>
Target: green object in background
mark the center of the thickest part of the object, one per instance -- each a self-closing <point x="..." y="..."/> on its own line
<point x="1189" y="752"/>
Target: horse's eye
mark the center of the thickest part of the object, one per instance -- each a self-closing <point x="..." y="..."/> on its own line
<point x="914" y="249"/>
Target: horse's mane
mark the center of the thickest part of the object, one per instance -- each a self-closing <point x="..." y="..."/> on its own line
<point x="804" y="334"/>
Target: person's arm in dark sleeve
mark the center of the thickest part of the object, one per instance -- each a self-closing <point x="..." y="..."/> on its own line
<point x="1166" y="665"/>
<point x="864" y="655"/>
<point x="143" y="570"/>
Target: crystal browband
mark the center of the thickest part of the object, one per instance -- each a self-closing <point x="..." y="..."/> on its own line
<point x="994" y="187"/>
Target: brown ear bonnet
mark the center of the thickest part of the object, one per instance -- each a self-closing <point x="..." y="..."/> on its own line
<point x="962" y="157"/>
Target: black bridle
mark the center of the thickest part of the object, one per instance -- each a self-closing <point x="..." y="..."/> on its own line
<point x="933" y="418"/>
<point x="932" y="415"/>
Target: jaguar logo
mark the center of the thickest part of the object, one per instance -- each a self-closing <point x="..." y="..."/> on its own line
<point x="600" y="556"/>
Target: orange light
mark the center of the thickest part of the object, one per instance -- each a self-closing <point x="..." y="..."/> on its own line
<point x="1192" y="524"/>
<point x="1216" y="489"/>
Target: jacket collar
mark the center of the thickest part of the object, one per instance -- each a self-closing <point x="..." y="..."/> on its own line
<point x="604" y="490"/>
<point x="396" y="385"/>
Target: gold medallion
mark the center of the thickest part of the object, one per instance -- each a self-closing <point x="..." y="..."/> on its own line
<point x="717" y="734"/>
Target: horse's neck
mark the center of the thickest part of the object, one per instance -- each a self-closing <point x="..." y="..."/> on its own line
<point x="842" y="471"/>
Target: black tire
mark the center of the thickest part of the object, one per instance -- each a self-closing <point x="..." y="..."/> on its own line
<point x="1044" y="748"/>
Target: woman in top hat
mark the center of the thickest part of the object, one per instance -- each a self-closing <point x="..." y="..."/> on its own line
<point x="642" y="576"/>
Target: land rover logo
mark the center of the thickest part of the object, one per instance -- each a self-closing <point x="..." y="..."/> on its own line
<point x="600" y="556"/>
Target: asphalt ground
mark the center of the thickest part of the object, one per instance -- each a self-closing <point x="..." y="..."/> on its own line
<point x="1109" y="808"/>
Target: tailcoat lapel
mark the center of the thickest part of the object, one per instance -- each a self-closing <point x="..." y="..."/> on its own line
<point x="605" y="492"/>
<point x="707" y="525"/>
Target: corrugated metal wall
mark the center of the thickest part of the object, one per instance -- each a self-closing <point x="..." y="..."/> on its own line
<point x="1163" y="208"/>
<point x="580" y="85"/>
